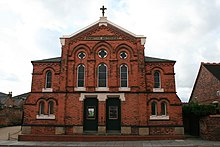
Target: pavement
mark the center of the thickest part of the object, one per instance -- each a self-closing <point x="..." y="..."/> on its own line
<point x="189" y="142"/>
<point x="153" y="143"/>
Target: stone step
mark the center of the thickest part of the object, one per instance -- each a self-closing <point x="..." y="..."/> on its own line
<point x="97" y="137"/>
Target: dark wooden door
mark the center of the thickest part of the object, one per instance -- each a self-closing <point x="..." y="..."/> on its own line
<point x="113" y="115"/>
<point x="90" y="115"/>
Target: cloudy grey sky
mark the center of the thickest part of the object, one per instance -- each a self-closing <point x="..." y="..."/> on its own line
<point x="186" y="31"/>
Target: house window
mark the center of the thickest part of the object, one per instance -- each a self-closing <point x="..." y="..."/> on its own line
<point x="153" y="108"/>
<point x="124" y="76"/>
<point x="41" y="108"/>
<point x="102" y="75"/>
<point x="48" y="79"/>
<point x="80" y="75"/>
<point x="163" y="108"/>
<point x="157" y="83"/>
<point x="51" y="107"/>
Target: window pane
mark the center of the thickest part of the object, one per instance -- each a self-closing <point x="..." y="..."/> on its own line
<point x="41" y="111"/>
<point x="113" y="112"/>
<point x="51" y="108"/>
<point x="81" y="75"/>
<point x="80" y="83"/>
<point x="163" y="109"/>
<point x="124" y="76"/>
<point x="102" y="83"/>
<point x="153" y="108"/>
<point x="156" y="79"/>
<point x="102" y="75"/>
<point x="124" y="83"/>
<point x="48" y="79"/>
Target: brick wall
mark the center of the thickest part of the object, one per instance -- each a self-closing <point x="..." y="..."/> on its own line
<point x="210" y="127"/>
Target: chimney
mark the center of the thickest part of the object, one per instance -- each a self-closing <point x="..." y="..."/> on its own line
<point x="10" y="94"/>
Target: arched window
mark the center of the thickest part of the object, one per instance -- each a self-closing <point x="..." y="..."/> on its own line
<point x="163" y="108"/>
<point x="41" y="108"/>
<point x="48" y="79"/>
<point x="51" y="107"/>
<point x="102" y="75"/>
<point x="80" y="75"/>
<point x="153" y="108"/>
<point x="124" y="76"/>
<point x="157" y="83"/>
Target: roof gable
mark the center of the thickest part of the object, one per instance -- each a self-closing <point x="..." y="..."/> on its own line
<point x="214" y="69"/>
<point x="101" y="28"/>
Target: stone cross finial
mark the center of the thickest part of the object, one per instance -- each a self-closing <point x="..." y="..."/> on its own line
<point x="103" y="10"/>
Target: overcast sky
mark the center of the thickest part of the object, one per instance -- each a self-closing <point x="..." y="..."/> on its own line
<point x="187" y="31"/>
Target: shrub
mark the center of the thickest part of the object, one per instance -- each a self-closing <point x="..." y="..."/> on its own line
<point x="198" y="110"/>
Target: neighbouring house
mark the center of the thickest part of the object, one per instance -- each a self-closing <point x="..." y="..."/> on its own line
<point x="11" y="109"/>
<point x="206" y="89"/>
<point x="103" y="83"/>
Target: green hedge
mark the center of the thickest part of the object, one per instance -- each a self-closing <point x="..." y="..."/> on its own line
<point x="198" y="110"/>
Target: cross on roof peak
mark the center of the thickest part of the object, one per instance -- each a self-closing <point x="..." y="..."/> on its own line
<point x="103" y="10"/>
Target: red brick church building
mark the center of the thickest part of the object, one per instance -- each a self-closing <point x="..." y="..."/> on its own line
<point x="103" y="83"/>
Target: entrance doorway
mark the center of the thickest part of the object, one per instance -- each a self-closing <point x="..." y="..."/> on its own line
<point x="90" y="115"/>
<point x="113" y="115"/>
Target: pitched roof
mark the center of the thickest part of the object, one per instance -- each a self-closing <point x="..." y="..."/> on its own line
<point x="2" y="94"/>
<point x="152" y="59"/>
<point x="56" y="59"/>
<point x="21" y="96"/>
<point x="213" y="68"/>
<point x="146" y="59"/>
<point x="3" y="97"/>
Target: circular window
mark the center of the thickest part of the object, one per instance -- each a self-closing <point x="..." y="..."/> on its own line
<point x="123" y="55"/>
<point x="102" y="53"/>
<point x="81" y="55"/>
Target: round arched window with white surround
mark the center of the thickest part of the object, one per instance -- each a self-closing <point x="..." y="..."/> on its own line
<point x="102" y="53"/>
<point x="123" y="55"/>
<point x="81" y="55"/>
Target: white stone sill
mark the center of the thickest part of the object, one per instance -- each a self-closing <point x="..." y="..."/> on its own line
<point x="158" y="90"/>
<point x="124" y="89"/>
<point x="45" y="116"/>
<point x="47" y="89"/>
<point x="159" y="117"/>
<point x="102" y="89"/>
<point x="80" y="89"/>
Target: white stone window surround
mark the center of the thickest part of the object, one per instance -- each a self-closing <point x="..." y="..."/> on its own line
<point x="102" y="88"/>
<point x="80" y="88"/>
<point x="121" y="77"/>
<point x="159" y="117"/>
<point x="43" y="116"/>
<point x="102" y="96"/>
